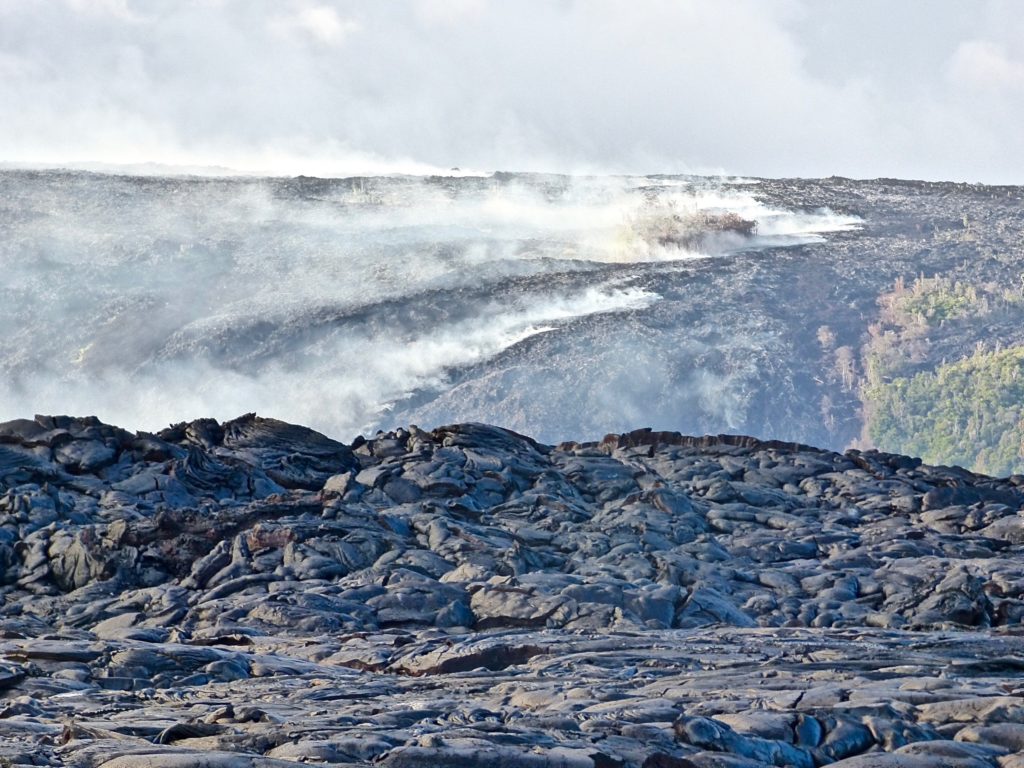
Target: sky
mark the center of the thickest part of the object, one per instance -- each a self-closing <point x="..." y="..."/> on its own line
<point x="930" y="89"/>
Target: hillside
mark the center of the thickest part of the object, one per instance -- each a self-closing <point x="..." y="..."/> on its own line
<point x="790" y="309"/>
<point x="792" y="343"/>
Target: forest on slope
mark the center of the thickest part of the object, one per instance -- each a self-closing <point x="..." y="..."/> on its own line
<point x="921" y="350"/>
<point x="963" y="409"/>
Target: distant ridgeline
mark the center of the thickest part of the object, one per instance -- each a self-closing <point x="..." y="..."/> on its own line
<point x="943" y="374"/>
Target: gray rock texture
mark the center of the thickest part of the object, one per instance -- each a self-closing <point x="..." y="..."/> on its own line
<point x="255" y="594"/>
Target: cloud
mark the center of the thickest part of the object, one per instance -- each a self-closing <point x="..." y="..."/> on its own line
<point x="321" y="23"/>
<point x="983" y="64"/>
<point x="116" y="8"/>
<point x="772" y="87"/>
<point x="449" y="11"/>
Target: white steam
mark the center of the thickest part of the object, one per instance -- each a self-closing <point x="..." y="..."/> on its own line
<point x="340" y="388"/>
<point x="148" y="301"/>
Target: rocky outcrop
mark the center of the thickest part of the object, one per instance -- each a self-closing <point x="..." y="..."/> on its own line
<point x="255" y="594"/>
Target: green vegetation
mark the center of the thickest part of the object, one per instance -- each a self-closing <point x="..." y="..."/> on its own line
<point x="912" y="319"/>
<point x="969" y="413"/>
<point x="921" y="400"/>
<point x="936" y="300"/>
<point x="932" y="301"/>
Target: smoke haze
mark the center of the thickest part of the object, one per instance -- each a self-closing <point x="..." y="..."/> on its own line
<point x="331" y="302"/>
